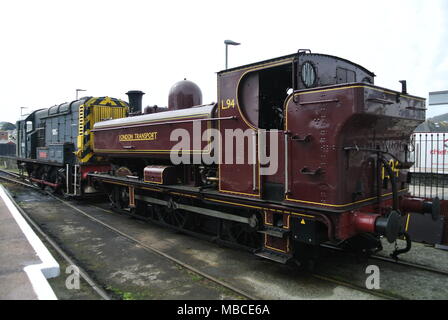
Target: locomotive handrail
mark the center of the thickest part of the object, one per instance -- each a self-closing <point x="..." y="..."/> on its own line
<point x="306" y="138"/>
<point x="393" y="182"/>
<point x="57" y="114"/>
<point x="287" y="190"/>
<point x="380" y="101"/>
<point x="356" y="148"/>
<point x="319" y="102"/>
<point x="386" y="166"/>
<point x="255" y="155"/>
<point x="163" y="123"/>
<point x="414" y="108"/>
<point x="310" y="172"/>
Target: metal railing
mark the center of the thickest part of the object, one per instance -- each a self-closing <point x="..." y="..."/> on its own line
<point x="429" y="175"/>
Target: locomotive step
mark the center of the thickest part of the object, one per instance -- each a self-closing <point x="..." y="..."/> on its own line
<point x="274" y="256"/>
<point x="275" y="232"/>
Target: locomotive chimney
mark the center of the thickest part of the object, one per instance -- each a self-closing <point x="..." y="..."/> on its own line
<point x="135" y="101"/>
<point x="404" y="87"/>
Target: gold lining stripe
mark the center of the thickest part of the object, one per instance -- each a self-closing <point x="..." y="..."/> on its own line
<point x="407" y="222"/>
<point x="342" y="205"/>
<point x="183" y="195"/>
<point x="288" y="100"/>
<point x="158" y="151"/>
<point x="152" y="151"/>
<point x="261" y="208"/>
<point x="118" y="183"/>
<point x="157" y="120"/>
<point x="151" y="189"/>
<point x="358" y="86"/>
<point x="257" y="195"/>
<point x="156" y="182"/>
<point x="303" y="215"/>
<point x="265" y="65"/>
<point x="253" y="69"/>
<point x="275" y="249"/>
<point x="233" y="203"/>
<point x="241" y="193"/>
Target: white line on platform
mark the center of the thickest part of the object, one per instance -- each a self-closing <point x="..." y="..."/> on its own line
<point x="38" y="273"/>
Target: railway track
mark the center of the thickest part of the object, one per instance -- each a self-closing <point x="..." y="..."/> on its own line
<point x="409" y="264"/>
<point x="14" y="178"/>
<point x="394" y="262"/>
<point x="132" y="239"/>
<point x="83" y="274"/>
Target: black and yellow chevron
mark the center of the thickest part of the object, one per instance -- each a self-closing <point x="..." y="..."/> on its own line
<point x="92" y="111"/>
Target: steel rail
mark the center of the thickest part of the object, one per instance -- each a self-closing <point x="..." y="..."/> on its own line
<point x="159" y="252"/>
<point x="143" y="245"/>
<point x="409" y="264"/>
<point x="332" y="279"/>
<point x="18" y="182"/>
<point x="97" y="288"/>
<point x="393" y="261"/>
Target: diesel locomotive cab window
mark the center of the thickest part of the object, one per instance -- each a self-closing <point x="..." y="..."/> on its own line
<point x="29" y="126"/>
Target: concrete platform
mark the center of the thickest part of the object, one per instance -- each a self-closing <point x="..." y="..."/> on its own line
<point x="25" y="262"/>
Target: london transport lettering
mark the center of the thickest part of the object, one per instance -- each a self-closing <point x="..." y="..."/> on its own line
<point x="146" y="136"/>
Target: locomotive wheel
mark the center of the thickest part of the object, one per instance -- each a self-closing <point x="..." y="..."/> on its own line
<point x="37" y="184"/>
<point x="38" y="173"/>
<point x="240" y="233"/>
<point x="177" y="218"/>
<point x="119" y="198"/>
<point x="53" y="177"/>
<point x="152" y="213"/>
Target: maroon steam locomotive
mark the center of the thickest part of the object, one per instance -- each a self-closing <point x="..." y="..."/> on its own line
<point x="340" y="145"/>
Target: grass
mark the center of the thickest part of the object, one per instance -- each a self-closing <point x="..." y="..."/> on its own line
<point x="122" y="294"/>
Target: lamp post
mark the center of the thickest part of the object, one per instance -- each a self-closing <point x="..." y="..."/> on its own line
<point x="21" y="110"/>
<point x="79" y="90"/>
<point x="229" y="43"/>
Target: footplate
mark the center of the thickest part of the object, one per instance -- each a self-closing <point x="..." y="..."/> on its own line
<point x="274" y="256"/>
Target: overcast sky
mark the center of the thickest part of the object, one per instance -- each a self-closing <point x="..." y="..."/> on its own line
<point x="50" y="48"/>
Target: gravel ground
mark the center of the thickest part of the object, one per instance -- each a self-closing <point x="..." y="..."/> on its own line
<point x="131" y="272"/>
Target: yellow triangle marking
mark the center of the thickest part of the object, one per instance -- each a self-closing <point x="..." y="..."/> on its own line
<point x="108" y="100"/>
<point x="303" y="221"/>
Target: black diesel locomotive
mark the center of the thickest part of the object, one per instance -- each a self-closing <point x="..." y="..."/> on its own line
<point x="54" y="145"/>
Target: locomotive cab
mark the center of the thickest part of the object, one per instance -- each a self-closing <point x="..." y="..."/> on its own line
<point x="329" y="119"/>
<point x="256" y="95"/>
<point x="263" y="88"/>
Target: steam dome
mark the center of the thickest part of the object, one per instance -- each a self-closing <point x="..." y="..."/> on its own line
<point x="184" y="94"/>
